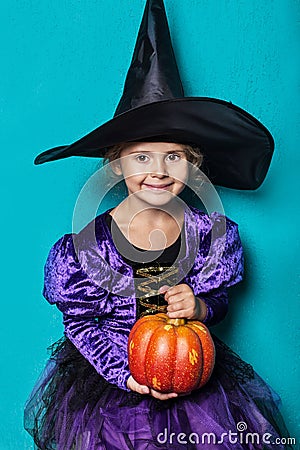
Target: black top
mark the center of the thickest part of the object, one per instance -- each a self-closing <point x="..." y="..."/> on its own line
<point x="148" y="264"/>
<point x="165" y="256"/>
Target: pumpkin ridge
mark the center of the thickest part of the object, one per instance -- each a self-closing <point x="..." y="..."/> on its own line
<point x="160" y="323"/>
<point x="142" y="321"/>
<point x="136" y="329"/>
<point x="152" y="339"/>
<point x="206" y="376"/>
<point x="194" y="352"/>
<point x="154" y="330"/>
<point x="190" y="327"/>
<point x="175" y="352"/>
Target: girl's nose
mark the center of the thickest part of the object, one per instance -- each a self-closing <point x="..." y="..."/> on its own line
<point x="158" y="168"/>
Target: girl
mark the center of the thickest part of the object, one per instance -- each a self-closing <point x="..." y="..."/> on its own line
<point x="87" y="398"/>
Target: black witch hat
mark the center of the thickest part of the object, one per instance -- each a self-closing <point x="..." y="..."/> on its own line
<point x="237" y="148"/>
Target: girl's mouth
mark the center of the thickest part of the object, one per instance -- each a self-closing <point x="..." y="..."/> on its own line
<point x="157" y="187"/>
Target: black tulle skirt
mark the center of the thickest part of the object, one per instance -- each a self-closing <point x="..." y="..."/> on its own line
<point x="73" y="408"/>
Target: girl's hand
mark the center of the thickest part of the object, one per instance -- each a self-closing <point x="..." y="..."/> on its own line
<point x="142" y="389"/>
<point x="182" y="303"/>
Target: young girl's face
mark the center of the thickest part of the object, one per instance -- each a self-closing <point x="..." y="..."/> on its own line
<point x="154" y="172"/>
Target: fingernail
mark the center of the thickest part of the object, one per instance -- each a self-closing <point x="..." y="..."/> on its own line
<point x="163" y="289"/>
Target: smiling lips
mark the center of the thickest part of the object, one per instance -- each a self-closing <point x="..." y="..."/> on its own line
<point x="157" y="187"/>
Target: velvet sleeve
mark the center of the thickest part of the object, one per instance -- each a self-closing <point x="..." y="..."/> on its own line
<point x="108" y="354"/>
<point x="228" y="270"/>
<point x="217" y="306"/>
<point x="85" y="307"/>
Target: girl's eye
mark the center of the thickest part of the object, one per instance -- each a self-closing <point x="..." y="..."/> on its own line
<point x="173" y="157"/>
<point x="142" y="158"/>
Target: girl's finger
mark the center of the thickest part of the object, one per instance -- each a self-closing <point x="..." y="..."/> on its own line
<point x="181" y="297"/>
<point x="161" y="396"/>
<point x="135" y="386"/>
<point x="181" y="289"/>
<point x="173" y="290"/>
<point x="172" y="299"/>
<point x="177" y="306"/>
<point x="163" y="289"/>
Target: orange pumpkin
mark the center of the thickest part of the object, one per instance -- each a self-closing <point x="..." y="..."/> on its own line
<point x="170" y="355"/>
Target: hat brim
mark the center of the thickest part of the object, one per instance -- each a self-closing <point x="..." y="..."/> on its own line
<point x="237" y="148"/>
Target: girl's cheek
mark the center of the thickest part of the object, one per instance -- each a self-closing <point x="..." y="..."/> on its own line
<point x="181" y="174"/>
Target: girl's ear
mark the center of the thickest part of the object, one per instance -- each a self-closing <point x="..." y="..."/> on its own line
<point x="116" y="167"/>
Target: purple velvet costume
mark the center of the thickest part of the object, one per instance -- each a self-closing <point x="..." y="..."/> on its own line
<point x="81" y="400"/>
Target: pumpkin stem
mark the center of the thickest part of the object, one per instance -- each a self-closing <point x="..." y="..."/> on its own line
<point x="176" y="322"/>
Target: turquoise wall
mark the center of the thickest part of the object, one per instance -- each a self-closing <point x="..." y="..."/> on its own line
<point x="63" y="66"/>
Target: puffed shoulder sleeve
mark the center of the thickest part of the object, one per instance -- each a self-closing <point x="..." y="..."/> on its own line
<point x="223" y="263"/>
<point x="68" y="286"/>
<point x="230" y="269"/>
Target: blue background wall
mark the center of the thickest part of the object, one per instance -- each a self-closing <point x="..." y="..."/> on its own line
<point x="63" y="67"/>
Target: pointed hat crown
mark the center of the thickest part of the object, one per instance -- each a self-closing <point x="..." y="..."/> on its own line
<point x="237" y="148"/>
<point x="153" y="73"/>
